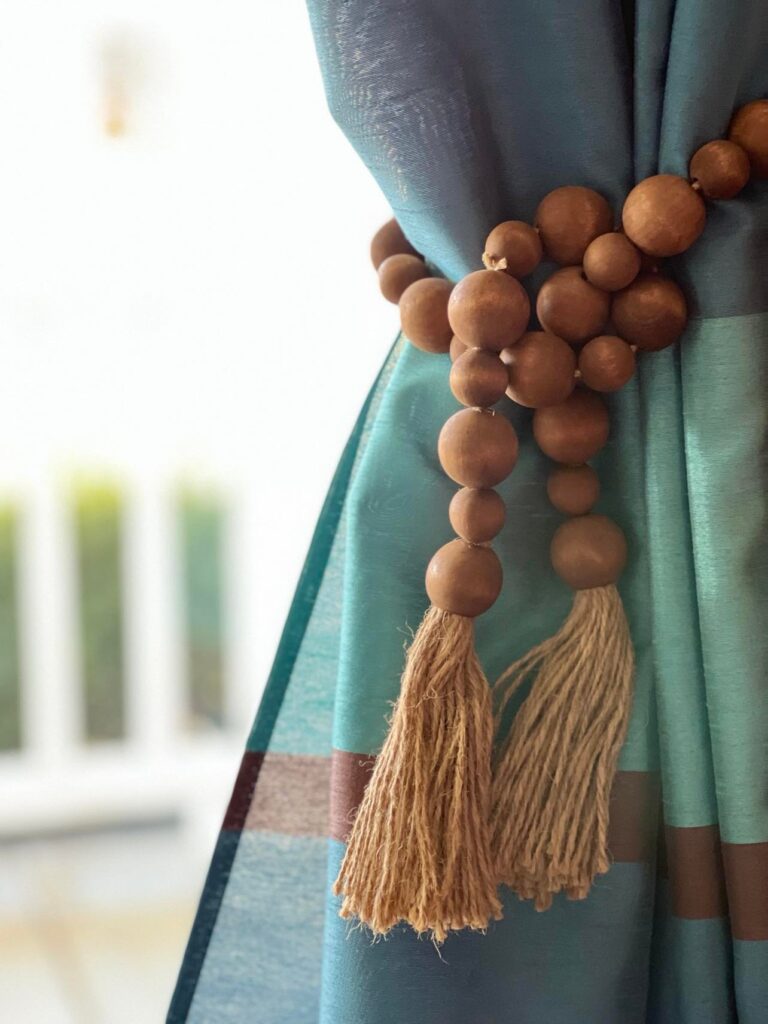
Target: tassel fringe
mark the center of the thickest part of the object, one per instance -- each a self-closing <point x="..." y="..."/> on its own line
<point x="419" y="849"/>
<point x="554" y="772"/>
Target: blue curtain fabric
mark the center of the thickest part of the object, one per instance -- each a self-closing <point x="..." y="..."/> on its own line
<point x="467" y="114"/>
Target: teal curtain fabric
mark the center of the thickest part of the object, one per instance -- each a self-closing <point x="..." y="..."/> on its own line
<point x="468" y="114"/>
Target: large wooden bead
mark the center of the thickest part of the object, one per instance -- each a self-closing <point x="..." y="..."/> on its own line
<point x="606" y="363"/>
<point x="663" y="215"/>
<point x="463" y="579"/>
<point x="568" y="219"/>
<point x="573" y="431"/>
<point x="589" y="551"/>
<point x="489" y="309"/>
<point x="476" y="514"/>
<point x="514" y="247"/>
<point x="541" y="369"/>
<point x="571" y="307"/>
<point x="424" y="314"/>
<point x="389" y="240"/>
<point x="457" y="348"/>
<point x="396" y="273"/>
<point x="611" y="262"/>
<point x="477" y="448"/>
<point x="478" y="378"/>
<point x="573" y="490"/>
<point x="749" y="129"/>
<point x="651" y="313"/>
<point x="721" y="169"/>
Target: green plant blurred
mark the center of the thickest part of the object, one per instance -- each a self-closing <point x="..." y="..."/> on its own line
<point x="10" y="687"/>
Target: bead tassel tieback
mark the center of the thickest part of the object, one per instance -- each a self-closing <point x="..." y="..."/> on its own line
<point x="440" y="825"/>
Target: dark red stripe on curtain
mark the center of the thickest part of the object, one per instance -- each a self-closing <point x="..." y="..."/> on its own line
<point x="746" y="880"/>
<point x="696" y="876"/>
<point x="245" y="783"/>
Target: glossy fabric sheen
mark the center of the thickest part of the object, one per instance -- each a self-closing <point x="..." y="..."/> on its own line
<point x="468" y="114"/>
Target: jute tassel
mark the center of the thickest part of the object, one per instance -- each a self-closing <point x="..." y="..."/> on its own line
<point x="419" y="849"/>
<point x="553" y="778"/>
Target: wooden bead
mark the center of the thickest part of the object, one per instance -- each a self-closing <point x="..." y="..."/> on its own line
<point x="606" y="363"/>
<point x="611" y="262"/>
<point x="573" y="490"/>
<point x="721" y="169"/>
<point x="424" y="314"/>
<point x="389" y="240"/>
<point x="651" y="313"/>
<point x="463" y="579"/>
<point x="573" y="431"/>
<point x="663" y="215"/>
<point x="397" y="272"/>
<point x="457" y="348"/>
<point x="589" y="551"/>
<point x="477" y="448"/>
<point x="541" y="369"/>
<point x="477" y="515"/>
<point x="514" y="247"/>
<point x="478" y="378"/>
<point x="749" y="129"/>
<point x="570" y="307"/>
<point x="568" y="219"/>
<point x="489" y="309"/>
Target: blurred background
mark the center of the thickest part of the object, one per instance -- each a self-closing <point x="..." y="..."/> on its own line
<point x="188" y="327"/>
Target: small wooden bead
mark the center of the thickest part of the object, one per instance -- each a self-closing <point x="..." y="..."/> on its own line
<point x="606" y="363"/>
<point x="477" y="448"/>
<point x="589" y="551"/>
<point x="570" y="307"/>
<point x="515" y="243"/>
<point x="749" y="129"/>
<point x="464" y="579"/>
<point x="611" y="262"/>
<point x="573" y="431"/>
<point x="397" y="272"/>
<point x="573" y="490"/>
<point x="478" y="378"/>
<point x="476" y="514"/>
<point x="651" y="313"/>
<point x="457" y="348"/>
<point x="663" y="215"/>
<point x="424" y="314"/>
<point x="389" y="240"/>
<point x="541" y="369"/>
<point x="721" y="168"/>
<point x="568" y="219"/>
<point x="489" y="309"/>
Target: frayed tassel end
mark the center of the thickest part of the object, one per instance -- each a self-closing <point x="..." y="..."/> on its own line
<point x="555" y="769"/>
<point x="419" y="850"/>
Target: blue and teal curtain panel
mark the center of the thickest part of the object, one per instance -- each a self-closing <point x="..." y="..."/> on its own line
<point x="467" y="114"/>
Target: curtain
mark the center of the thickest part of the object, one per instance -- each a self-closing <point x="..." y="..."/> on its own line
<point x="467" y="114"/>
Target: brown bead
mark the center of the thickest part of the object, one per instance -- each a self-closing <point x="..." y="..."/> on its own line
<point x="478" y="378"/>
<point x="514" y="247"/>
<point x="477" y="448"/>
<point x="424" y="314"/>
<point x="389" y="240"/>
<point x="568" y="219"/>
<point x="489" y="309"/>
<point x="721" y="169"/>
<point x="541" y="369"/>
<point x="396" y="273"/>
<point x="476" y="514"/>
<point x="570" y="307"/>
<point x="573" y="490"/>
<point x="457" y="348"/>
<point x="589" y="551"/>
<point x="749" y="129"/>
<point x="651" y="313"/>
<point x="663" y="215"/>
<point x="606" y="363"/>
<point x="611" y="262"/>
<point x="573" y="431"/>
<point x="463" y="579"/>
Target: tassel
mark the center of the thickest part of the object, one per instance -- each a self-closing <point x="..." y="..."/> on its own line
<point x="553" y="777"/>
<point x="419" y="849"/>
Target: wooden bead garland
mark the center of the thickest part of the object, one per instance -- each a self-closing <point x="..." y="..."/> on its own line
<point x="517" y="826"/>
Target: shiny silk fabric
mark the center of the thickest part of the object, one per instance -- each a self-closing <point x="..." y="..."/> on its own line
<point x="467" y="113"/>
